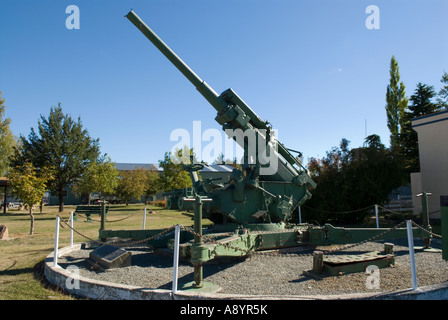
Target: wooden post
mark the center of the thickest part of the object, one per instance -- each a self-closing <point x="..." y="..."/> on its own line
<point x="318" y="262"/>
<point x="389" y="248"/>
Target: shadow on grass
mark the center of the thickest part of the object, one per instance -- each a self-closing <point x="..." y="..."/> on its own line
<point x="39" y="275"/>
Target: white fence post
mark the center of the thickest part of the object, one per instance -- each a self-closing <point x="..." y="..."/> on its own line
<point x="411" y="254"/>
<point x="56" y="242"/>
<point x="376" y="215"/>
<point x="176" y="257"/>
<point x="144" y="218"/>
<point x="71" y="228"/>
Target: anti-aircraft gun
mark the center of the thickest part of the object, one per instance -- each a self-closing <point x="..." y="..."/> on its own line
<point x="252" y="211"/>
<point x="272" y="182"/>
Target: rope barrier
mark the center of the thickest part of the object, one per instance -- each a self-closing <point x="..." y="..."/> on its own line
<point x="118" y="243"/>
<point x="245" y="251"/>
<point x="338" y="212"/>
<point x="358" y="210"/>
<point x="111" y="221"/>
<point x="396" y="212"/>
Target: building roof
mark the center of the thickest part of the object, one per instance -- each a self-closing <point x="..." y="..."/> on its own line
<point x="430" y="118"/>
<point x="151" y="166"/>
<point x="217" y="168"/>
<point x="133" y="166"/>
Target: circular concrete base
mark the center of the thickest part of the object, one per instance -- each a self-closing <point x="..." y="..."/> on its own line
<point x="88" y="288"/>
<point x="206" y="287"/>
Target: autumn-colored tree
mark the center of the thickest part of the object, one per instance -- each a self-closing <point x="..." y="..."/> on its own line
<point x="174" y="176"/>
<point x="7" y="141"/>
<point x="153" y="183"/>
<point x="29" y="185"/>
<point x="100" y="176"/>
<point x="131" y="184"/>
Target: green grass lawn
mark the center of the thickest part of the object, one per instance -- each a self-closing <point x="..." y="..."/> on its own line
<point x="22" y="256"/>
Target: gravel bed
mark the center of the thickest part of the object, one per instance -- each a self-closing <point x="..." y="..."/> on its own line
<point x="278" y="274"/>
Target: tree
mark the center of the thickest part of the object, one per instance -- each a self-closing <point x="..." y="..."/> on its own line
<point x="421" y="104"/>
<point x="174" y="176"/>
<point x="222" y="160"/>
<point x="63" y="144"/>
<point x="349" y="181"/>
<point x="442" y="98"/>
<point x="131" y="184"/>
<point x="29" y="184"/>
<point x="153" y="183"/>
<point x="7" y="141"/>
<point x="100" y="176"/>
<point x="396" y="104"/>
<point x="421" y="101"/>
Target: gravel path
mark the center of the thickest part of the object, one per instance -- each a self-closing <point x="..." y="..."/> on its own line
<point x="280" y="274"/>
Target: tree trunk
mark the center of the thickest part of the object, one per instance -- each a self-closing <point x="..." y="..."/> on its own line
<point x="61" y="199"/>
<point x="32" y="220"/>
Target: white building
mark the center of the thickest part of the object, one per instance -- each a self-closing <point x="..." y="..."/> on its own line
<point x="432" y="131"/>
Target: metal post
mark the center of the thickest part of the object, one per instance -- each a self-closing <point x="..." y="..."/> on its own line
<point x="444" y="223"/>
<point x="176" y="257"/>
<point x="198" y="220"/>
<point x="144" y="219"/>
<point x="425" y="216"/>
<point x="376" y="215"/>
<point x="300" y="214"/>
<point x="411" y="254"/>
<point x="197" y="250"/>
<point x="103" y="214"/>
<point x="5" y="201"/>
<point x="198" y="270"/>
<point x="71" y="228"/>
<point x="425" y="211"/>
<point x="56" y="242"/>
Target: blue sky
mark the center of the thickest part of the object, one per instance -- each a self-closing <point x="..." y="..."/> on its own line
<point x="311" y="68"/>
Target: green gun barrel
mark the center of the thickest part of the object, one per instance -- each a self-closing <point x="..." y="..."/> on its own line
<point x="208" y="93"/>
<point x="233" y="112"/>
